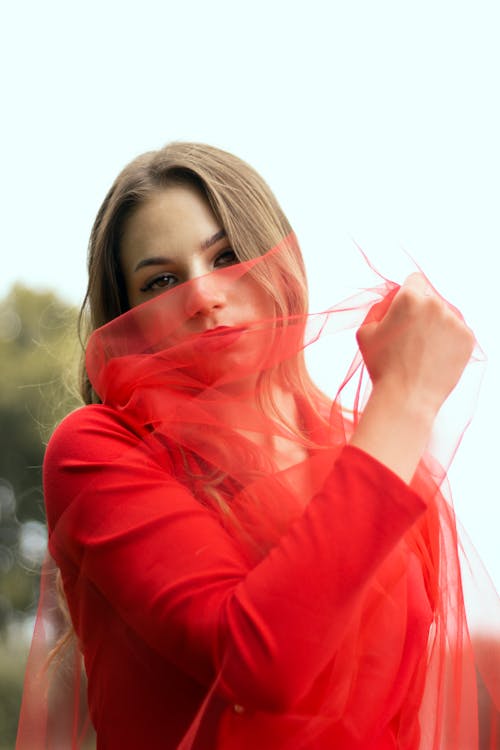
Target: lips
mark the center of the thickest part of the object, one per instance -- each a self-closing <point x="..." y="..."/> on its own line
<point x="221" y="330"/>
<point x="219" y="337"/>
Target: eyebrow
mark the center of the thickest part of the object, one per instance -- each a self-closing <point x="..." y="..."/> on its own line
<point x="159" y="260"/>
<point x="213" y="239"/>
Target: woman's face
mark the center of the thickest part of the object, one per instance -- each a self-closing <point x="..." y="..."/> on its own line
<point x="173" y="238"/>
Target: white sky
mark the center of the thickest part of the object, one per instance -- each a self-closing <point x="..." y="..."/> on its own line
<point x="374" y="120"/>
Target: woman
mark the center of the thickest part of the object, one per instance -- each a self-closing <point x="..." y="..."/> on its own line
<point x="245" y="564"/>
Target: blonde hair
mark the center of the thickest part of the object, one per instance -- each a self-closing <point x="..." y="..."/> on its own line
<point x="246" y="209"/>
<point x="254" y="223"/>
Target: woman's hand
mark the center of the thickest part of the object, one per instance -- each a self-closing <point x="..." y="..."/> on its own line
<point x="419" y="349"/>
<point x="415" y="356"/>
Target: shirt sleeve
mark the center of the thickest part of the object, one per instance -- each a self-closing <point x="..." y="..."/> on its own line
<point x="171" y="571"/>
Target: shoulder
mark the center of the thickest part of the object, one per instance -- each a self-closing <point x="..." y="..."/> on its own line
<point x="84" y="444"/>
<point x="91" y="430"/>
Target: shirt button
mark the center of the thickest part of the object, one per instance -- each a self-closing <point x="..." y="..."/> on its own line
<point x="239" y="709"/>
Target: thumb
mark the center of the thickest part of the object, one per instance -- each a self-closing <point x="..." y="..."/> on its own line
<point x="379" y="309"/>
<point x="365" y="333"/>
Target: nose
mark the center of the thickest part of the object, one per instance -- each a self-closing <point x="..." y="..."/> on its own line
<point x="204" y="294"/>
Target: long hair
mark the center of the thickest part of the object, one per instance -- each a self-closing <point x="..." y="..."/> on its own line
<point x="254" y="223"/>
<point x="246" y="209"/>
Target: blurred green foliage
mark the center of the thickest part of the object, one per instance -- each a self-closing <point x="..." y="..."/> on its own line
<point x="11" y="673"/>
<point x="39" y="354"/>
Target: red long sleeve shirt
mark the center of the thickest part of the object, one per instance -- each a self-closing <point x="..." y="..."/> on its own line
<point x="165" y="602"/>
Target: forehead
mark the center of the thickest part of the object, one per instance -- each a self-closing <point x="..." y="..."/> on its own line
<point x="174" y="219"/>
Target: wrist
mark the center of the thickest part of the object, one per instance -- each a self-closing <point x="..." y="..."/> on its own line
<point x="406" y="403"/>
<point x="394" y="428"/>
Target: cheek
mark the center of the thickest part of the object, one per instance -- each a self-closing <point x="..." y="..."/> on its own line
<point x="257" y="299"/>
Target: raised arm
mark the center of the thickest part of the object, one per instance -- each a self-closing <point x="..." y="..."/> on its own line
<point x="415" y="356"/>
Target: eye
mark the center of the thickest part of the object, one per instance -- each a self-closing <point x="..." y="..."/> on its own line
<point x="162" y="281"/>
<point x="226" y="258"/>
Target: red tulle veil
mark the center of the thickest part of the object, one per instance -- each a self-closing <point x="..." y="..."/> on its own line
<point x="179" y="388"/>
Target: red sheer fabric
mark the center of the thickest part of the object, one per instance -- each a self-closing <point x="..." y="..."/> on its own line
<point x="236" y="581"/>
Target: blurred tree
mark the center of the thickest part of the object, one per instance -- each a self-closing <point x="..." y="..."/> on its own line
<point x="38" y="353"/>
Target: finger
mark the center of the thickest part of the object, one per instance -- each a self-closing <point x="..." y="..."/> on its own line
<point x="379" y="309"/>
<point x="417" y="282"/>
